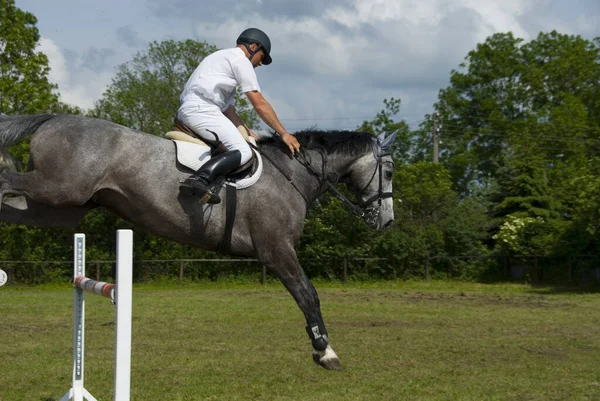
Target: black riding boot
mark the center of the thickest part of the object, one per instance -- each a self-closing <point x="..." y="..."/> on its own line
<point x="200" y="183"/>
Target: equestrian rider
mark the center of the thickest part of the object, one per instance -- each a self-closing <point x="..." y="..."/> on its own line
<point x="207" y="108"/>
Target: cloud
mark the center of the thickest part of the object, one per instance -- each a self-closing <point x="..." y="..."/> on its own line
<point x="334" y="61"/>
<point x="340" y="59"/>
<point x="58" y="67"/>
<point x="97" y="60"/>
<point x="128" y="36"/>
<point x="80" y="80"/>
<point x="405" y="41"/>
<point x="244" y="11"/>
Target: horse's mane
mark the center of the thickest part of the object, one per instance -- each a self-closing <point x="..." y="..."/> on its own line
<point x="346" y="142"/>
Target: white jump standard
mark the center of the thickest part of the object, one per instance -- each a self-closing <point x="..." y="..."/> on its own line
<point x="121" y="295"/>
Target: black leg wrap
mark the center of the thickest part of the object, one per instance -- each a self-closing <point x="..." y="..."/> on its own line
<point x="318" y="336"/>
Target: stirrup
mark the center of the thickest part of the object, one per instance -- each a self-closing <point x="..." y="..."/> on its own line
<point x="195" y="187"/>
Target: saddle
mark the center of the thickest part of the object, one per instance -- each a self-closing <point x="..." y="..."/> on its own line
<point x="242" y="177"/>
<point x="183" y="132"/>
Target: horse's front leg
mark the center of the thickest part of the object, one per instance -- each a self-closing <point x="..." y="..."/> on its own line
<point x="283" y="262"/>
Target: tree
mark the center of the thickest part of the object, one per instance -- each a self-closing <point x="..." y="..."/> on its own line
<point x="24" y="88"/>
<point x="508" y="93"/>
<point x="332" y="232"/>
<point x="431" y="220"/>
<point x="24" y="85"/>
<point x="518" y="122"/>
<point x="144" y="94"/>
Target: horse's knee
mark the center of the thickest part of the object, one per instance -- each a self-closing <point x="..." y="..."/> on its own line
<point x="318" y="336"/>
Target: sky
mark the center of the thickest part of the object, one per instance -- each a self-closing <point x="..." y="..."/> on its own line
<point x="334" y="61"/>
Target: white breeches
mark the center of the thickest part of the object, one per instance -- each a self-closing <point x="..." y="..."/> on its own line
<point x="203" y="118"/>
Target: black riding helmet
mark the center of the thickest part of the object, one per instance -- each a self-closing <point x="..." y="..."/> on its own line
<point x="253" y="35"/>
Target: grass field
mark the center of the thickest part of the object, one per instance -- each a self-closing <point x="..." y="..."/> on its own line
<point x="396" y="341"/>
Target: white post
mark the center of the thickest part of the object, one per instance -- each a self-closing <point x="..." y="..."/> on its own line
<point x="123" y="300"/>
<point x="78" y="391"/>
<point x="123" y="329"/>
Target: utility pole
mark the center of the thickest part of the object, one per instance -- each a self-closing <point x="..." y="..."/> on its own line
<point x="436" y="138"/>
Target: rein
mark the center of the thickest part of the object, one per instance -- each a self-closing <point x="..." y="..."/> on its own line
<point x="287" y="177"/>
<point x="370" y="214"/>
<point x="352" y="206"/>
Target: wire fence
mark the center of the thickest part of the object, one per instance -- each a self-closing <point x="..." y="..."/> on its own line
<point x="568" y="270"/>
<point x="182" y="270"/>
<point x="535" y="269"/>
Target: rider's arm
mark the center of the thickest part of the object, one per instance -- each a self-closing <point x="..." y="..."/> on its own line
<point x="234" y="117"/>
<point x="267" y="114"/>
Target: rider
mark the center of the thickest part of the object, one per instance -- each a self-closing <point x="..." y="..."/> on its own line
<point x="207" y="108"/>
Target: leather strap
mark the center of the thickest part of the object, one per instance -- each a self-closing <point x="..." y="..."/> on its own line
<point x="216" y="145"/>
<point x="230" y="209"/>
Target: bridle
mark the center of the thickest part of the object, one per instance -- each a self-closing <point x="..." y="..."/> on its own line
<point x="371" y="213"/>
<point x="359" y="208"/>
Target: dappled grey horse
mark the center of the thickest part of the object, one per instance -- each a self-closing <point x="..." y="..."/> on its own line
<point x="78" y="163"/>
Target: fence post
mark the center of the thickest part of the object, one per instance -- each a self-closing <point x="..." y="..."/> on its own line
<point x="345" y="270"/>
<point x="427" y="269"/>
<point x="537" y="278"/>
<point x="506" y="268"/>
<point x="263" y="275"/>
<point x="570" y="270"/>
<point x="97" y="271"/>
<point x="180" y="272"/>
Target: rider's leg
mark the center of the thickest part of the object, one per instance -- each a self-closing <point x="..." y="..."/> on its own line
<point x="200" y="184"/>
<point x="203" y="119"/>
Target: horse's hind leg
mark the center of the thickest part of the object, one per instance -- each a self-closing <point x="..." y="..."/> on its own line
<point x="43" y="189"/>
<point x="283" y="262"/>
<point x="20" y="210"/>
<point x="35" y="201"/>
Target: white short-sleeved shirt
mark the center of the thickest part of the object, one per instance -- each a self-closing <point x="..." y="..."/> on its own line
<point x="217" y="78"/>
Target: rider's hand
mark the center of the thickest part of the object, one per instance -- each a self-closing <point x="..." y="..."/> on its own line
<point x="253" y="135"/>
<point x="291" y="142"/>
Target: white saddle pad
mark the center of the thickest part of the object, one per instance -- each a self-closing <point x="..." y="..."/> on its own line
<point x="194" y="156"/>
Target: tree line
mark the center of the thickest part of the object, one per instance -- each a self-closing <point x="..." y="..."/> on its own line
<point x="518" y="172"/>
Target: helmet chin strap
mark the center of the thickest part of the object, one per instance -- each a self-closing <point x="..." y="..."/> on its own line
<point x="252" y="53"/>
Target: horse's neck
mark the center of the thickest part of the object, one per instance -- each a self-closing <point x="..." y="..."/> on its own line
<point x="295" y="170"/>
<point x="310" y="169"/>
<point x="335" y="163"/>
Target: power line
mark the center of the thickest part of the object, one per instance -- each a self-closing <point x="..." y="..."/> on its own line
<point x="507" y="120"/>
<point x="326" y="119"/>
<point x="369" y="118"/>
<point x="556" y="149"/>
<point x="540" y="137"/>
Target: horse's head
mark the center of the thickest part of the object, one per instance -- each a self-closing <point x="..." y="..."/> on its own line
<point x="371" y="179"/>
<point x="359" y="160"/>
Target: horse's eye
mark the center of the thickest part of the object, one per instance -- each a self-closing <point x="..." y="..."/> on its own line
<point x="389" y="174"/>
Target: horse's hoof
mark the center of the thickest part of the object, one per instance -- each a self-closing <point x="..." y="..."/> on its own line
<point x="327" y="359"/>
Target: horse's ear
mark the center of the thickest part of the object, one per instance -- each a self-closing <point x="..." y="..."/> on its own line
<point x="386" y="143"/>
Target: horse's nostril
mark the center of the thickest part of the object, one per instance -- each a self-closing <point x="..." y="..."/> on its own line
<point x="389" y="223"/>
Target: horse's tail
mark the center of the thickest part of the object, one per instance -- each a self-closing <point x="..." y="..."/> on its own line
<point x="16" y="128"/>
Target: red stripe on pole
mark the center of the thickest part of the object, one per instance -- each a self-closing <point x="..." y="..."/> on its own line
<point x="95" y="287"/>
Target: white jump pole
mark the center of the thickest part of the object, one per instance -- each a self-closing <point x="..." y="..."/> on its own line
<point x="121" y="294"/>
<point x="123" y="300"/>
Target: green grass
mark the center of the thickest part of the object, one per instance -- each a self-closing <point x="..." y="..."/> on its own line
<point x="235" y="341"/>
